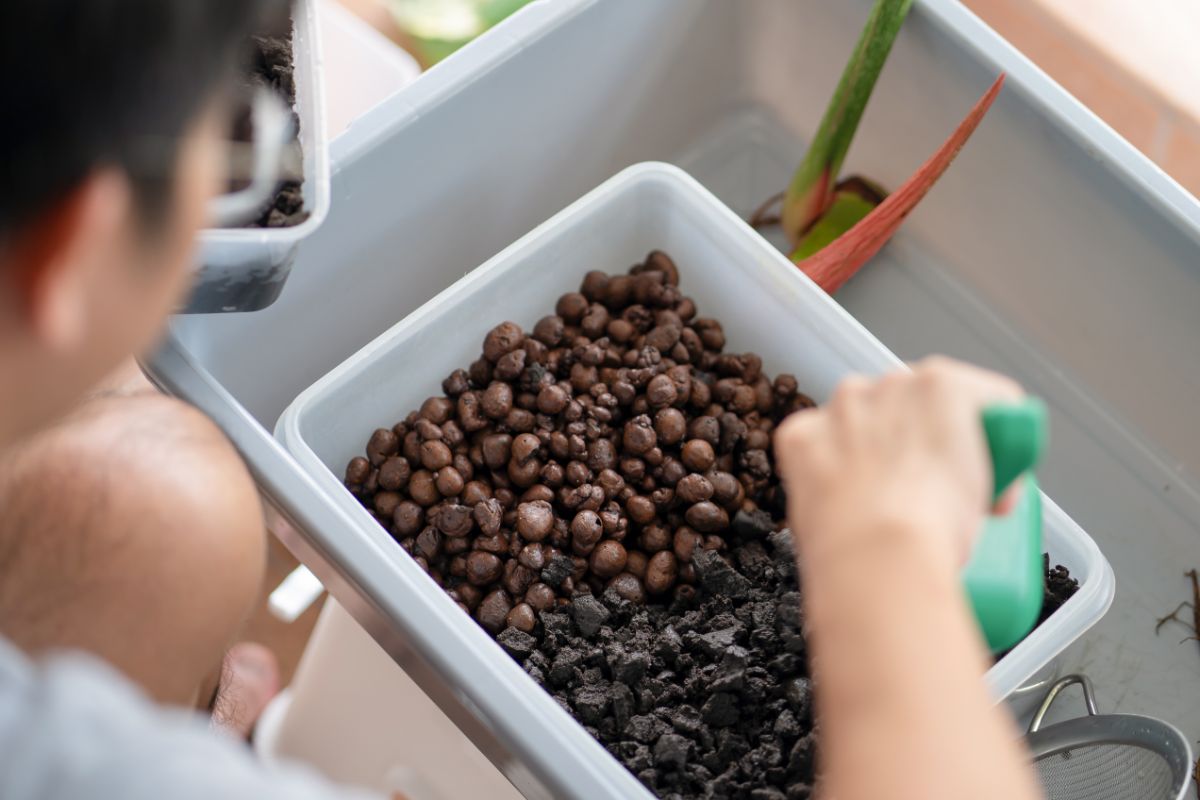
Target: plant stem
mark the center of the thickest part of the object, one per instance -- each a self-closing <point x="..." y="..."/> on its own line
<point x="835" y="263"/>
<point x="812" y="186"/>
<point x="843" y="214"/>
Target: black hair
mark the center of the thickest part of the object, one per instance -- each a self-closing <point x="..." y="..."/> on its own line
<point x="92" y="83"/>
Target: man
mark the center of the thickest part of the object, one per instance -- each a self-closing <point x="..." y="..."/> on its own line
<point x="129" y="529"/>
<point x="131" y="540"/>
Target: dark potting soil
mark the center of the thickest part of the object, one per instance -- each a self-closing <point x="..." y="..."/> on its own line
<point x="1060" y="587"/>
<point x="703" y="698"/>
<point x="272" y="65"/>
<point x="600" y="495"/>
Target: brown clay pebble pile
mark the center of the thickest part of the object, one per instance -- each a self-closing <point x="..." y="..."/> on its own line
<point x="599" y="493"/>
<point x="600" y="449"/>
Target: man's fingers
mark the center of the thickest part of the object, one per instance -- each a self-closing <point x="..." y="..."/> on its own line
<point x="794" y="438"/>
<point x="795" y="430"/>
<point x="961" y="392"/>
<point x="981" y="386"/>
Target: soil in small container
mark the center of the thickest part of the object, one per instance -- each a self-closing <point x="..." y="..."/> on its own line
<point x="1060" y="587"/>
<point x="600" y="494"/>
<point x="272" y="64"/>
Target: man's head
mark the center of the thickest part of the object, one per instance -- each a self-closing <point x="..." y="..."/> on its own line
<point x="111" y="147"/>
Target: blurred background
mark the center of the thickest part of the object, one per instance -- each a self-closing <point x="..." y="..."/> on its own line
<point x="1134" y="62"/>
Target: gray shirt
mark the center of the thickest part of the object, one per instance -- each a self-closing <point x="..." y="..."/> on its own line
<point x="71" y="727"/>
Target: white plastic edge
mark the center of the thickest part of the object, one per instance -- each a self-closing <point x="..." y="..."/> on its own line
<point x="294" y="595"/>
<point x="449" y="77"/>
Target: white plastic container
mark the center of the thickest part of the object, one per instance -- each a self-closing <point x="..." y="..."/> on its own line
<point x="1052" y="251"/>
<point x="244" y="269"/>
<point x="362" y="67"/>
<point x="764" y="303"/>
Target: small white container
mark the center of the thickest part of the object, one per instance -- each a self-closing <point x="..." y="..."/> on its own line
<point x="244" y="269"/>
<point x="363" y="68"/>
<point x="764" y="303"/>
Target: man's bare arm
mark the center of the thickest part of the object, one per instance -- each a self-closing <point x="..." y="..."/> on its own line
<point x="886" y="487"/>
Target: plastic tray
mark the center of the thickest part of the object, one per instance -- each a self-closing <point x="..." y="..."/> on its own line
<point x="1052" y="251"/>
<point x="735" y="276"/>
<point x="244" y="269"/>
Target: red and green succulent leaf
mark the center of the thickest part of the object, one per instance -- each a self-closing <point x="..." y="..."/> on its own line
<point x="843" y="214"/>
<point x="812" y="187"/>
<point x="835" y="263"/>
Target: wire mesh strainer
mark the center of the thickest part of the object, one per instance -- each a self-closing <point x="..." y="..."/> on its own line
<point x="1108" y="756"/>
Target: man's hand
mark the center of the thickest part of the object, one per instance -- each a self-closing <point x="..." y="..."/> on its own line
<point x="903" y="453"/>
<point x="887" y="486"/>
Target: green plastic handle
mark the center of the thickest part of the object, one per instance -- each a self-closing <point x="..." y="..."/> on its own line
<point x="1016" y="437"/>
<point x="1004" y="579"/>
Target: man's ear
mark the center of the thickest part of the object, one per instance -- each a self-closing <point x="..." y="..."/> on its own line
<point x="57" y="259"/>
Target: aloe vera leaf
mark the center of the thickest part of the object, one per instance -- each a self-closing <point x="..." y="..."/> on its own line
<point x="837" y="262"/>
<point x="843" y="214"/>
<point x="812" y="186"/>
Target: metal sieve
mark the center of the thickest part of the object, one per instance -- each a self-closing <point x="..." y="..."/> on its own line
<point x="1107" y="756"/>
